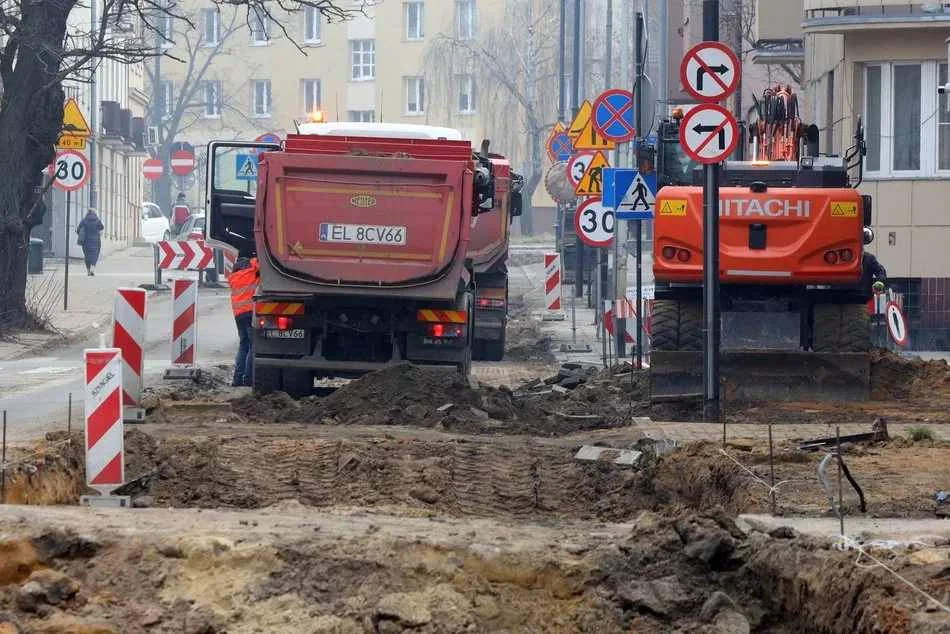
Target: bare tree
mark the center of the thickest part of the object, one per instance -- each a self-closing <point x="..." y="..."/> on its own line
<point x="40" y="49"/>
<point x="513" y="64"/>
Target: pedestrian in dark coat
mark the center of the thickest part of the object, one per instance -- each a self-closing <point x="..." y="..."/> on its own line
<point x="90" y="239"/>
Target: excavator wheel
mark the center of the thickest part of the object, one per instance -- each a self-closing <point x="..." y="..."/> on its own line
<point x="841" y="328"/>
<point x="676" y="326"/>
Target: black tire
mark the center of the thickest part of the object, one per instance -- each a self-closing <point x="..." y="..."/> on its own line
<point x="676" y="325"/>
<point x="465" y="367"/>
<point x="691" y="326"/>
<point x="266" y="380"/>
<point x="297" y="383"/>
<point x="665" y="327"/>
<point x="841" y="328"/>
<point x="494" y="349"/>
<point x="478" y="350"/>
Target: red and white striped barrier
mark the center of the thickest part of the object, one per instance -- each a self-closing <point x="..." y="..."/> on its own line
<point x="184" y="255"/>
<point x="184" y="330"/>
<point x="105" y="461"/>
<point x="128" y="335"/>
<point x="552" y="287"/>
<point x="230" y="257"/>
<point x="627" y="313"/>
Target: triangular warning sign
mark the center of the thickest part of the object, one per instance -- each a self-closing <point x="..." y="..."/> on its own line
<point x="580" y="122"/>
<point x="589" y="139"/>
<point x="74" y="123"/>
<point x="592" y="184"/>
<point x="639" y="196"/>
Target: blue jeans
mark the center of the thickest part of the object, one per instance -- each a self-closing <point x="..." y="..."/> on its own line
<point x="244" y="362"/>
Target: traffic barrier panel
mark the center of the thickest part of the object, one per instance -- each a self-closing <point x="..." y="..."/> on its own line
<point x="104" y="429"/>
<point x="552" y="288"/>
<point x="128" y="335"/>
<point x="184" y="255"/>
<point x="230" y="257"/>
<point x="184" y="351"/>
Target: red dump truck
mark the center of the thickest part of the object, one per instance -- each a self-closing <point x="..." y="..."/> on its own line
<point x="363" y="246"/>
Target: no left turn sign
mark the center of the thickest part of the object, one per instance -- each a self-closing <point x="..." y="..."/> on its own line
<point x="710" y="71"/>
<point x="709" y="133"/>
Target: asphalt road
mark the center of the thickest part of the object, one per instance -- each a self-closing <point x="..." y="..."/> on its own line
<point x="34" y="390"/>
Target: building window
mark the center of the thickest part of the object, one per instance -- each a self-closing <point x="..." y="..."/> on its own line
<point x="465" y="19"/>
<point x="362" y="116"/>
<point x="415" y="95"/>
<point x="212" y="92"/>
<point x="943" y="124"/>
<point x="212" y="26"/>
<point x="312" y="25"/>
<point x="466" y="94"/>
<point x="259" y="27"/>
<point x="415" y="17"/>
<point x="903" y="121"/>
<point x="363" y="54"/>
<point x="311" y="95"/>
<point x="168" y="97"/>
<point x="262" y="98"/>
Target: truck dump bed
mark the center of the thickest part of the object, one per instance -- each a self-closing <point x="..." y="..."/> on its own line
<point x="488" y="246"/>
<point x="348" y="212"/>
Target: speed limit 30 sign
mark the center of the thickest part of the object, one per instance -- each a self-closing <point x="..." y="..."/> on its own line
<point x="70" y="171"/>
<point x="594" y="223"/>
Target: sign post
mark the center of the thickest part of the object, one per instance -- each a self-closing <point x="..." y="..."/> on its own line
<point x="69" y="173"/>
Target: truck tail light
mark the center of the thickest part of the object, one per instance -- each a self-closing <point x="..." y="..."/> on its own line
<point x="445" y="331"/>
<point x="846" y="255"/>
<point x="831" y="257"/>
<point x="490" y="302"/>
<point x="683" y="255"/>
<point x="669" y="253"/>
<point x="284" y="322"/>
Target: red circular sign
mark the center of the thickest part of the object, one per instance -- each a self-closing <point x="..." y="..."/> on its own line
<point x="612" y="115"/>
<point x="710" y="71"/>
<point x="896" y="324"/>
<point x="153" y="169"/>
<point x="70" y="171"/>
<point x="709" y="133"/>
<point x="182" y="162"/>
<point x="594" y="223"/>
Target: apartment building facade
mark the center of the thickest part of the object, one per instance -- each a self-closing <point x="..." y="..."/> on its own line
<point x="881" y="62"/>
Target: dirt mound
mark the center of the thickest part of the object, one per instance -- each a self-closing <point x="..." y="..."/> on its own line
<point x="420" y="397"/>
<point x="684" y="573"/>
<point x="897" y="377"/>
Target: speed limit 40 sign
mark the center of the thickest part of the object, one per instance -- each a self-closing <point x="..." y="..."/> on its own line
<point x="70" y="171"/>
<point x="594" y="223"/>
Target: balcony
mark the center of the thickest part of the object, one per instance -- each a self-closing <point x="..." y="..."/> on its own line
<point x="785" y="51"/>
<point x="824" y="16"/>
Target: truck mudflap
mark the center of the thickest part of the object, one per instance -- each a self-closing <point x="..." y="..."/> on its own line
<point x="764" y="376"/>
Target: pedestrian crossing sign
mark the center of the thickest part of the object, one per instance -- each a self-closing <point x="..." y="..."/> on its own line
<point x="592" y="183"/>
<point x="245" y="168"/>
<point x="639" y="199"/>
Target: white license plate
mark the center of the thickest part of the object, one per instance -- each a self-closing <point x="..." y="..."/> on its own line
<point x="363" y="234"/>
<point x="296" y="333"/>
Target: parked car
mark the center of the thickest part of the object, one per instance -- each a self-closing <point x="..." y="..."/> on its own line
<point x="154" y="224"/>
<point x="194" y="227"/>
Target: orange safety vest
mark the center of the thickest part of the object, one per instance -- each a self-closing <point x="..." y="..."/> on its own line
<point x="243" y="284"/>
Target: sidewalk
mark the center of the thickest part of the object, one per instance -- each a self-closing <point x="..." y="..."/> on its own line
<point x="90" y="298"/>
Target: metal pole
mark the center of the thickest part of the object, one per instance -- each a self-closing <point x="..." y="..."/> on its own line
<point x="603" y="272"/>
<point x="576" y="102"/>
<point x="69" y="413"/>
<point x="638" y="225"/>
<point x="66" y="256"/>
<point x="94" y="126"/>
<point x="3" y="462"/>
<point x="663" y="47"/>
<point x="840" y="490"/>
<point x="772" y="469"/>
<point x="711" y="255"/>
<point x="561" y="72"/>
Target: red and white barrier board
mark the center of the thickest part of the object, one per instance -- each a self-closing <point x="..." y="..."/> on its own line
<point x="184" y="325"/>
<point x="128" y="335"/>
<point x="105" y="461"/>
<point x="552" y="287"/>
<point x="230" y="257"/>
<point x="184" y="255"/>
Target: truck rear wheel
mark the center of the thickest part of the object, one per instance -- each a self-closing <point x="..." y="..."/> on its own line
<point x="841" y="328"/>
<point x="494" y="349"/>
<point x="676" y="325"/>
<point x="296" y="383"/>
<point x="266" y="379"/>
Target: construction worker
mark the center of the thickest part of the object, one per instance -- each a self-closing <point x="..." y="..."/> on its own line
<point x="243" y="282"/>
<point x="874" y="270"/>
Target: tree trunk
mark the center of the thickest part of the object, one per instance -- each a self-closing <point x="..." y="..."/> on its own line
<point x="31" y="117"/>
<point x="532" y="180"/>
